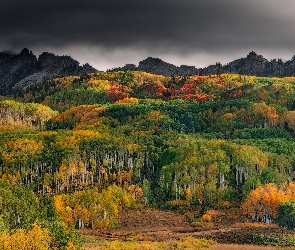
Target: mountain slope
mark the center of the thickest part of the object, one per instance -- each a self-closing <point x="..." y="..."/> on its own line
<point x="25" y="69"/>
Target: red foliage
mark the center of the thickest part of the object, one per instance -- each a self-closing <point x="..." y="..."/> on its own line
<point x="160" y="91"/>
<point x="150" y="87"/>
<point x="117" y="92"/>
<point x="165" y="92"/>
<point x="235" y="93"/>
<point x="188" y="89"/>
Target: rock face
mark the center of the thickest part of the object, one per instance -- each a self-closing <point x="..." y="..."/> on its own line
<point x="24" y="69"/>
<point x="253" y="64"/>
<point x="158" y="66"/>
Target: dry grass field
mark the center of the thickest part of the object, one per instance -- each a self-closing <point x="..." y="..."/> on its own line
<point x="160" y="230"/>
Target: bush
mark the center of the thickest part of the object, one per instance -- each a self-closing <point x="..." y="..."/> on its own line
<point x="286" y="214"/>
<point x="271" y="240"/>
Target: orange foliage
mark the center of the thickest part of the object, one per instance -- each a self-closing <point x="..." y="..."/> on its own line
<point x="262" y="203"/>
<point x="288" y="119"/>
<point x="75" y="112"/>
<point x="208" y="216"/>
<point x="84" y="114"/>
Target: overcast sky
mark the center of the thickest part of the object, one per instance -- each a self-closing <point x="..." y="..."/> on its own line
<point x="111" y="33"/>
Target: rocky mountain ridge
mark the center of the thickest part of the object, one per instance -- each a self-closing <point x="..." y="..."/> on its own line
<point x="253" y="64"/>
<point x="25" y="69"/>
<point x="19" y="71"/>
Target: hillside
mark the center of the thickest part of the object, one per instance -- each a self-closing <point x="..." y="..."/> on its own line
<point x="21" y="71"/>
<point x="216" y="150"/>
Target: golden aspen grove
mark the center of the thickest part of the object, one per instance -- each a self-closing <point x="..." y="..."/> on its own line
<point x="77" y="152"/>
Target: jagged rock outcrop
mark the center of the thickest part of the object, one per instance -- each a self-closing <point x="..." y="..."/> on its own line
<point x="23" y="70"/>
<point x="158" y="66"/>
<point x="253" y="64"/>
<point x="14" y="68"/>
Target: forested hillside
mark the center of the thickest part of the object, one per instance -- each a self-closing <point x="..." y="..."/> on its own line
<point x="84" y="148"/>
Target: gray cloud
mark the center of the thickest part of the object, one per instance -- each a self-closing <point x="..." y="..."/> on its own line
<point x="109" y="33"/>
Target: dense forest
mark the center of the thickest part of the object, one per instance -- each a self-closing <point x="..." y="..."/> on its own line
<point x="75" y="151"/>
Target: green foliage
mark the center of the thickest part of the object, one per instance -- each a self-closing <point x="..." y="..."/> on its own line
<point x="286" y="214"/>
<point x="62" y="234"/>
<point x="18" y="206"/>
<point x="47" y="208"/>
<point x="274" y="240"/>
<point x="146" y="188"/>
<point x="65" y="99"/>
<point x="21" y="208"/>
<point x="201" y="140"/>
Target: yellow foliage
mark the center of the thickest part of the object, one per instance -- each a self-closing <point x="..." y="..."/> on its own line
<point x="21" y="151"/>
<point x="13" y="179"/>
<point x="66" y="80"/>
<point x="99" y="84"/>
<point x="101" y="209"/>
<point x="127" y="100"/>
<point x="224" y="204"/>
<point x="183" y="243"/>
<point x="71" y="246"/>
<point x="263" y="113"/>
<point x="228" y="116"/>
<point x="137" y="193"/>
<point x="35" y="239"/>
<point x="87" y="134"/>
<point x="179" y="203"/>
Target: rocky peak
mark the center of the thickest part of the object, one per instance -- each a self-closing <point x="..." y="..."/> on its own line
<point x="5" y="56"/>
<point x="6" y="53"/>
<point x="153" y="62"/>
<point x="252" y="56"/>
<point x="157" y="66"/>
<point x="252" y="64"/>
<point x="50" y="61"/>
<point x="87" y="68"/>
<point x="25" y="52"/>
<point x="46" y="56"/>
<point x="24" y="69"/>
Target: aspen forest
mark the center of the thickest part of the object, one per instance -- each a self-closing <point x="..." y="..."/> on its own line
<point x="75" y="152"/>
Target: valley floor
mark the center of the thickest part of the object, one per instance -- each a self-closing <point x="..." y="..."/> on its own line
<point x="156" y="229"/>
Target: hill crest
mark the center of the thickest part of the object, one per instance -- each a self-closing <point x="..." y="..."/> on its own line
<point x="252" y="64"/>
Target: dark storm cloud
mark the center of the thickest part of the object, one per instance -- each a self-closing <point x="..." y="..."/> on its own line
<point x="165" y="26"/>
